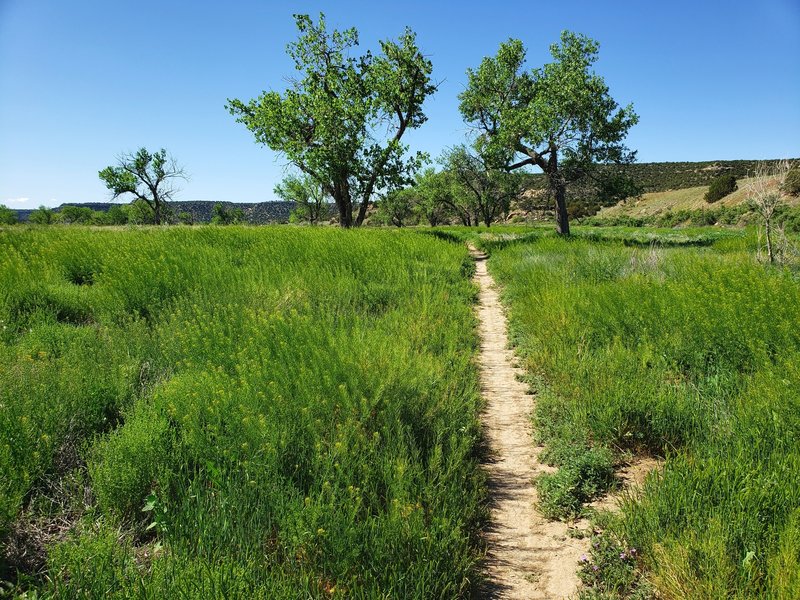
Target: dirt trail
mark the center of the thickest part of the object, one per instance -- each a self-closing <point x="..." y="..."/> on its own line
<point x="528" y="556"/>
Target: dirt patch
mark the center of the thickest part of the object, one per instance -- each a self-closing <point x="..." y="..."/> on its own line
<point x="631" y="477"/>
<point x="529" y="557"/>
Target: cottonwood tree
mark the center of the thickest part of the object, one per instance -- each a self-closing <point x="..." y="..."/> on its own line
<point x="149" y="178"/>
<point x="433" y="191"/>
<point x="488" y="191"/>
<point x="311" y="201"/>
<point x="559" y="117"/>
<point x="341" y="122"/>
<point x="397" y="206"/>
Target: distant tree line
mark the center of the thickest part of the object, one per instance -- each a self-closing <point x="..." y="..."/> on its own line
<point x="139" y="213"/>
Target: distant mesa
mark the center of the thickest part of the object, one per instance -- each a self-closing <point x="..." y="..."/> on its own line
<point x="201" y="211"/>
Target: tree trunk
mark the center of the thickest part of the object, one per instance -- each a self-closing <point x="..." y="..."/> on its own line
<point x="562" y="217"/>
<point x="342" y="198"/>
<point x="768" y="231"/>
<point x="362" y="212"/>
<point x="345" y="214"/>
<point x="558" y="186"/>
<point x="157" y="212"/>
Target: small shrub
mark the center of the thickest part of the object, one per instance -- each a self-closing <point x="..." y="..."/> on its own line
<point x="127" y="464"/>
<point x="582" y="478"/>
<point x="720" y="187"/>
<point x="612" y="570"/>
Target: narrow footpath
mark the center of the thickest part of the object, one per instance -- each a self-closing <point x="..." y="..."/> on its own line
<point x="528" y="556"/>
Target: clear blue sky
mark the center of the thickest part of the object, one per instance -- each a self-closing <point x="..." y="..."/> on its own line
<point x="82" y="80"/>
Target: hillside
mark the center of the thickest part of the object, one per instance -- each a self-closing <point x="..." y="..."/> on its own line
<point x="655" y="204"/>
<point x="256" y="213"/>
<point x="663" y="176"/>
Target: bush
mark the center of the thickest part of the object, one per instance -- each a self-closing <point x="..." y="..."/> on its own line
<point x="80" y="215"/>
<point x="7" y="215"/>
<point x="42" y="216"/>
<point x="720" y="187"/>
<point x="584" y="476"/>
<point x="127" y="465"/>
<point x="791" y="184"/>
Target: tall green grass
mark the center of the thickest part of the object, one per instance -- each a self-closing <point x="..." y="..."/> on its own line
<point x="271" y="413"/>
<point x="687" y="353"/>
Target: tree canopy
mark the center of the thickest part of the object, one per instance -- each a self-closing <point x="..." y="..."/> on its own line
<point x="559" y="117"/>
<point x="149" y="178"/>
<point x="342" y="120"/>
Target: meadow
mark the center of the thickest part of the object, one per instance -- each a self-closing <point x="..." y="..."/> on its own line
<point x="286" y="412"/>
<point x="237" y="412"/>
<point x="680" y="347"/>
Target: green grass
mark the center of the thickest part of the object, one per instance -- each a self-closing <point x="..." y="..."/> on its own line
<point x="690" y="353"/>
<point x="268" y="413"/>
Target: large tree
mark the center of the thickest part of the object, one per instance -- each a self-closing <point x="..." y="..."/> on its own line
<point x="342" y="120"/>
<point x="559" y="117"/>
<point x="149" y="178"/>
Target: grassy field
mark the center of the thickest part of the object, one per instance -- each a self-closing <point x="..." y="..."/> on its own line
<point x="292" y="412"/>
<point x="217" y="413"/>
<point x="684" y="351"/>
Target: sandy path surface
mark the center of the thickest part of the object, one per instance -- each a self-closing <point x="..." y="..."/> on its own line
<point x="528" y="556"/>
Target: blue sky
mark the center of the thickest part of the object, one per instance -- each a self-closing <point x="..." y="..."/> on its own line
<point x="82" y="81"/>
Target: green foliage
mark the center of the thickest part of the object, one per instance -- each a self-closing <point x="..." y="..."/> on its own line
<point x="559" y="117"/>
<point x="486" y="192"/>
<point x="265" y="412"/>
<point x="224" y="215"/>
<point x="612" y="571"/>
<point x="126" y="465"/>
<point x="7" y="215"/>
<point x="686" y="353"/>
<point x="42" y="216"/>
<point x="788" y="217"/>
<point x="433" y="196"/>
<point x="660" y="177"/>
<point x="720" y="187"/>
<point x="149" y="178"/>
<point x="719" y="215"/>
<point x="342" y="120"/>
<point x="75" y="215"/>
<point x="117" y="215"/>
<point x="139" y="212"/>
<point x="396" y="207"/>
<point x="584" y="475"/>
<point x="311" y="202"/>
<point x="791" y="185"/>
